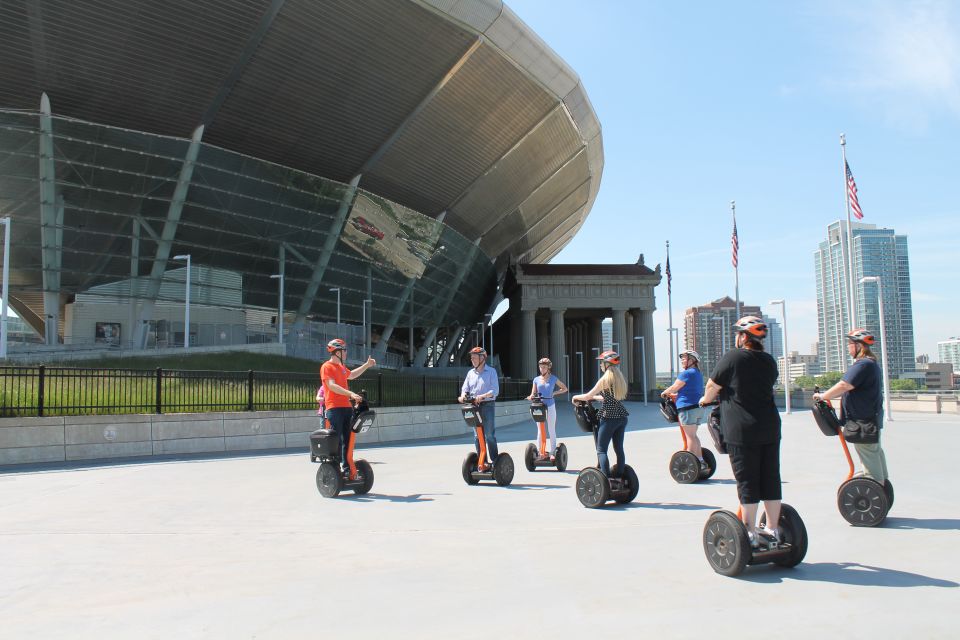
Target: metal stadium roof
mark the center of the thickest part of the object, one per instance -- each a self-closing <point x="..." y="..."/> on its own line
<point x="450" y="107"/>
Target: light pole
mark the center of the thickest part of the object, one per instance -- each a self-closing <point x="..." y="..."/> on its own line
<point x="6" y="269"/>
<point x="483" y="336"/>
<point x="883" y="347"/>
<point x="673" y="337"/>
<point x="597" y="358"/>
<point x="580" y="353"/>
<point x="490" y="324"/>
<point x="365" y="301"/>
<point x="566" y="365"/>
<point x="786" y="352"/>
<point x="186" y="311"/>
<point x="643" y="364"/>
<point x="337" y="289"/>
<point x="279" y="276"/>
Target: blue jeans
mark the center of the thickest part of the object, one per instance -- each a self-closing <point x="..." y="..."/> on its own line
<point x="339" y="418"/>
<point x="488" y="416"/>
<point x="611" y="429"/>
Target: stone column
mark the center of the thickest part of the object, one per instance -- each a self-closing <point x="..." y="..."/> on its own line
<point x="558" y="342"/>
<point x="529" y="345"/>
<point x="620" y="338"/>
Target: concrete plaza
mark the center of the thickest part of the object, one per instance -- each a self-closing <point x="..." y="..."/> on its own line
<point x="245" y="547"/>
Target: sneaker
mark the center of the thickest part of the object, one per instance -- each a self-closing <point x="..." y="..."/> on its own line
<point x="704" y="467"/>
<point x="769" y="537"/>
<point x="754" y="543"/>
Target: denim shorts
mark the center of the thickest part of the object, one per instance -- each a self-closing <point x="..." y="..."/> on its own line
<point x="691" y="415"/>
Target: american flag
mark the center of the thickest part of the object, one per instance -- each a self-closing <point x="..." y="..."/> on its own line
<point x="668" y="275"/>
<point x="735" y="243"/>
<point x="852" y="192"/>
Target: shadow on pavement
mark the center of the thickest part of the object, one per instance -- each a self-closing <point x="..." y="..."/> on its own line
<point x="851" y="573"/>
<point x="676" y="506"/>
<point x="377" y="497"/>
<point x="934" y="524"/>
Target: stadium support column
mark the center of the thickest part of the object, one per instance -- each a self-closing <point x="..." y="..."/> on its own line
<point x="424" y="350"/>
<point x="529" y="342"/>
<point x="134" y="289"/>
<point x="558" y="343"/>
<point x="452" y="291"/>
<point x="381" y="349"/>
<point x="51" y="226"/>
<point x="167" y="235"/>
<point x="453" y="337"/>
<point x="333" y="234"/>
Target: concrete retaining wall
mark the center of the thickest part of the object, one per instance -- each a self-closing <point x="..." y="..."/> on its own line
<point x="78" y="438"/>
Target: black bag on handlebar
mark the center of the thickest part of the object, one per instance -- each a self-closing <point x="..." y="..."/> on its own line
<point x="587" y="416"/>
<point x="669" y="410"/>
<point x="826" y="418"/>
<point x="716" y="433"/>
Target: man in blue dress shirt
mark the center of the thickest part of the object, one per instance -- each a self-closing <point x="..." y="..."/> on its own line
<point x="482" y="384"/>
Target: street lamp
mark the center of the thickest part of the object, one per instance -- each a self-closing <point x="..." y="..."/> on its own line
<point x="566" y="365"/>
<point x="580" y="353"/>
<point x="786" y="352"/>
<point x="6" y="269"/>
<point x="337" y="289"/>
<point x="365" y="301"/>
<point x="643" y="364"/>
<point x="490" y="324"/>
<point x="186" y="312"/>
<point x="883" y="346"/>
<point x="279" y="317"/>
<point x="674" y="341"/>
<point x="483" y="336"/>
<point x="597" y="358"/>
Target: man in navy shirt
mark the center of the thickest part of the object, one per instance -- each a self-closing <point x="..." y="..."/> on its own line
<point x="861" y="388"/>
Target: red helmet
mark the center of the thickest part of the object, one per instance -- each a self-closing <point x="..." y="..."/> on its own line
<point x="751" y="325"/>
<point x="480" y="351"/>
<point x="862" y="336"/>
<point x="610" y="357"/>
<point x="336" y="345"/>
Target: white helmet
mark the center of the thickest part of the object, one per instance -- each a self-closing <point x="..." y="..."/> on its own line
<point x="690" y="352"/>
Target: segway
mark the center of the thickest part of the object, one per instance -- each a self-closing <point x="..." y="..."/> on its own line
<point x="728" y="549"/>
<point x="593" y="488"/>
<point x="325" y="448"/>
<point x="684" y="466"/>
<point x="863" y="502"/>
<point x="477" y="467"/>
<point x="532" y="457"/>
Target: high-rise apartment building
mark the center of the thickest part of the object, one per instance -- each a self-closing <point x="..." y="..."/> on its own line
<point x="876" y="252"/>
<point x="949" y="351"/>
<point x="708" y="329"/>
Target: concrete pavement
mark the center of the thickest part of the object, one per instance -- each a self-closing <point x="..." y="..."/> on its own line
<point x="245" y="547"/>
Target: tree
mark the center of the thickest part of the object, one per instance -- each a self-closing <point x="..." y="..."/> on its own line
<point x="829" y="379"/>
<point x="805" y="382"/>
<point x="903" y="385"/>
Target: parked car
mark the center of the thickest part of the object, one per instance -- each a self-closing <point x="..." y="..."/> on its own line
<point x="363" y="225"/>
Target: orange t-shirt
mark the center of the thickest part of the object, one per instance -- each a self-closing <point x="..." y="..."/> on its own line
<point x="339" y="374"/>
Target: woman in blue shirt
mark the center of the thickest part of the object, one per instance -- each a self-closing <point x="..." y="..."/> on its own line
<point x="548" y="385"/>
<point x="689" y="388"/>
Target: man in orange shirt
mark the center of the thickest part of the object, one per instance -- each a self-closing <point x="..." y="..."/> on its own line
<point x="337" y="397"/>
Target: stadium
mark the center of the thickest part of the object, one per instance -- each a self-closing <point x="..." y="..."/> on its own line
<point x="382" y="163"/>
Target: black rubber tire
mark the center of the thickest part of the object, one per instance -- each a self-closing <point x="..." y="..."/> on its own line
<point x="561" y="457"/>
<point x="794" y="533"/>
<point x="329" y="479"/>
<point x="593" y="488"/>
<point x="503" y="470"/>
<point x="365" y="471"/>
<point x="862" y="502"/>
<point x="530" y="457"/>
<point x="684" y="467"/>
<point x="888" y="488"/>
<point x="633" y="482"/>
<point x="469" y="466"/>
<point x="726" y="544"/>
<point x="711" y="461"/>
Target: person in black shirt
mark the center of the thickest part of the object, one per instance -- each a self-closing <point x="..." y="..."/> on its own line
<point x="861" y="388"/>
<point x="743" y="380"/>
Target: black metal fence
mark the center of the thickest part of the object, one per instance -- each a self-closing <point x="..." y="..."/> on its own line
<point x="63" y="391"/>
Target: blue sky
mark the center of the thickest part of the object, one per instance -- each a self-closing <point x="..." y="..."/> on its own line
<point x="705" y="102"/>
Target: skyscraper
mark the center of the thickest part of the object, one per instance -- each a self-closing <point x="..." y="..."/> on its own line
<point x="876" y="252"/>
<point x="708" y="329"/>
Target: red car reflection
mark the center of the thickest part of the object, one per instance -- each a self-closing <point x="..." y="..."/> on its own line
<point x="362" y="225"/>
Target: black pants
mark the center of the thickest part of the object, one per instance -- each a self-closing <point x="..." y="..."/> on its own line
<point x="757" y="470"/>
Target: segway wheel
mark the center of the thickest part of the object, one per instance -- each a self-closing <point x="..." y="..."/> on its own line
<point x="863" y="502"/>
<point x="530" y="457"/>
<point x="329" y="480"/>
<point x="365" y="471"/>
<point x="503" y="469"/>
<point x="793" y="532"/>
<point x="888" y="487"/>
<point x="593" y="488"/>
<point x="684" y="467"/>
<point x="560" y="459"/>
<point x="633" y="484"/>
<point x="469" y="466"/>
<point x="711" y="461"/>
<point x="726" y="544"/>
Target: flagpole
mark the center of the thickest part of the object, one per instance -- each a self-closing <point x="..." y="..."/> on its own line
<point x="670" y="312"/>
<point x="736" y="265"/>
<point x="851" y="297"/>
